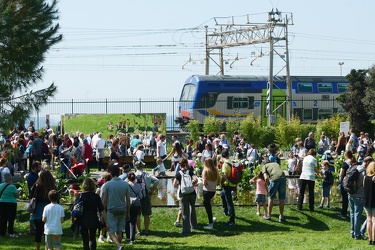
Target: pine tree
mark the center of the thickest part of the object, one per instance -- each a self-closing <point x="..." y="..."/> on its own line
<point x="27" y="31"/>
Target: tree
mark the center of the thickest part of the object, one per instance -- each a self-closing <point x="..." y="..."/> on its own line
<point x="352" y="101"/>
<point x="27" y="32"/>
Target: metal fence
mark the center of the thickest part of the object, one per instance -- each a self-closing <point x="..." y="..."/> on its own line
<point x="308" y="109"/>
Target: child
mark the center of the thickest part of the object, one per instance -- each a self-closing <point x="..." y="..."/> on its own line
<point x="159" y="167"/>
<point x="53" y="216"/>
<point x="291" y="169"/>
<point x="260" y="193"/>
<point x="326" y="185"/>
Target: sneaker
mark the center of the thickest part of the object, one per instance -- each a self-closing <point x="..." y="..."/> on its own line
<point x="13" y="235"/>
<point x="320" y="206"/>
<point x="109" y="240"/>
<point x="258" y="214"/>
<point x="120" y="247"/>
<point x="213" y="220"/>
<point x="327" y="206"/>
<point x="229" y="224"/>
<point x="281" y="219"/>
<point x="101" y="239"/>
<point x="177" y="224"/>
<point x="138" y="233"/>
<point x="132" y="242"/>
<point x="267" y="217"/>
<point x="209" y="227"/>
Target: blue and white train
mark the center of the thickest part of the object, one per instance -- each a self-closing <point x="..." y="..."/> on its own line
<point x="224" y="96"/>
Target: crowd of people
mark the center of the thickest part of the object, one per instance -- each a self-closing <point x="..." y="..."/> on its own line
<point x="116" y="203"/>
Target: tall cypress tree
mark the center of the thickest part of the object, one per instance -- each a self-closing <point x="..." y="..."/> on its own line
<point x="28" y="29"/>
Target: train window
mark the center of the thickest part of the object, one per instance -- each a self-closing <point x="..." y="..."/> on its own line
<point x="341" y="87"/>
<point x="307" y="114"/>
<point x="325" y="87"/>
<point x="305" y="87"/>
<point x="207" y="101"/>
<point x="324" y="113"/>
<point x="240" y="102"/>
<point x="188" y="92"/>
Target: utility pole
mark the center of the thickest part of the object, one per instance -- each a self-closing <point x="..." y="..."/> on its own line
<point x="272" y="32"/>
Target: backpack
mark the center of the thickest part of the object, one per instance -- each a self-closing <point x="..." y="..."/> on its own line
<point x="141" y="181"/>
<point x="236" y="172"/>
<point x="1" y="176"/>
<point x="350" y="181"/>
<point x="329" y="178"/>
<point x="186" y="184"/>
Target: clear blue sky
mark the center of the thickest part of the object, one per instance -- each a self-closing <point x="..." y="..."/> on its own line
<point x="136" y="49"/>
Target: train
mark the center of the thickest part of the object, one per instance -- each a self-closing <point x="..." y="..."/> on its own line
<point x="237" y="96"/>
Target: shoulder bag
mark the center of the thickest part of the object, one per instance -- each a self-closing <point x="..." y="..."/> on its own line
<point x="30" y="207"/>
<point x="135" y="201"/>
<point x="2" y="191"/>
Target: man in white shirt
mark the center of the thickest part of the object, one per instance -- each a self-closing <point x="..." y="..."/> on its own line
<point x="161" y="151"/>
<point x="100" y="144"/>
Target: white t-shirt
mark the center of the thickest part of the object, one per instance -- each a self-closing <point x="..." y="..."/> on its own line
<point x="53" y="213"/>
<point x="100" y="144"/>
<point x="140" y="155"/>
<point x="162" y="151"/>
<point x="291" y="164"/>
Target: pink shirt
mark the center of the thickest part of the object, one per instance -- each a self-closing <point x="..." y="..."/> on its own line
<point x="261" y="187"/>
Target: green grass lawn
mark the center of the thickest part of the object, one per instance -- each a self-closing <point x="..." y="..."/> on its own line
<point x="303" y="230"/>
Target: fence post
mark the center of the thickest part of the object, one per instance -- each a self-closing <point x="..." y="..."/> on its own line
<point x="140" y="105"/>
<point x="72" y="106"/>
<point x="173" y="116"/>
<point x="106" y="105"/>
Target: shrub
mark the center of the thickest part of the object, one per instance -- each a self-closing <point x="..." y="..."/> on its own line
<point x="286" y="132"/>
<point x="252" y="130"/>
<point x="212" y="124"/>
<point x="193" y="128"/>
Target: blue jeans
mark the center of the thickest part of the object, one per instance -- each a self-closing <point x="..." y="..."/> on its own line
<point x="227" y="202"/>
<point x="356" y="210"/>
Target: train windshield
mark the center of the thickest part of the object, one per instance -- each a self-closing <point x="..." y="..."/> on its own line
<point x="188" y="92"/>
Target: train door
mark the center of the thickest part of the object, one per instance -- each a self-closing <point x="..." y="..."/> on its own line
<point x="279" y="105"/>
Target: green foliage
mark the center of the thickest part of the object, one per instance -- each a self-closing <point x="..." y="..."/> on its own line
<point x="251" y="128"/>
<point x="193" y="128"/>
<point x="268" y="136"/>
<point x="331" y="126"/>
<point x="212" y="124"/>
<point x="231" y="125"/>
<point x="28" y="31"/>
<point x="306" y="129"/>
<point x="286" y="132"/>
<point x="352" y="101"/>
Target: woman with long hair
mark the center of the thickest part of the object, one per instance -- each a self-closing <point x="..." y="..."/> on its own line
<point x="210" y="177"/>
<point x="135" y="193"/>
<point x="349" y="161"/>
<point x="178" y="155"/>
<point x="41" y="188"/>
<point x="189" y="217"/>
<point x="92" y="205"/>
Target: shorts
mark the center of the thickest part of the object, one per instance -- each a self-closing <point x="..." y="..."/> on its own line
<point x="370" y="210"/>
<point x="325" y="191"/>
<point x="146" y="205"/>
<point x="115" y="223"/>
<point x="277" y="186"/>
<point x="260" y="198"/>
<point x="52" y="241"/>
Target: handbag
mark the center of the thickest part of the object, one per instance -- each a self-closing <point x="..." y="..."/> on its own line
<point x="30" y="207"/>
<point x="77" y="211"/>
